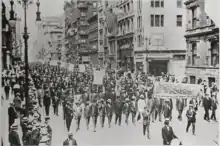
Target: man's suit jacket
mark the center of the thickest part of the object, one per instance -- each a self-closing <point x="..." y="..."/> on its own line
<point x="14" y="138"/>
<point x="67" y="142"/>
<point x="168" y="136"/>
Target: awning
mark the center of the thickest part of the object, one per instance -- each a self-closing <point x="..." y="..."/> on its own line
<point x="159" y="57"/>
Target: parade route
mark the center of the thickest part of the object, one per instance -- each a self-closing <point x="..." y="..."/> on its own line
<point x="132" y="135"/>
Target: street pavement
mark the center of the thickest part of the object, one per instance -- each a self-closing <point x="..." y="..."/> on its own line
<point x="206" y="132"/>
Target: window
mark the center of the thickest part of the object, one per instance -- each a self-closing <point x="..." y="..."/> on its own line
<point x="179" y="3"/>
<point x="161" y="20"/>
<point x="194" y="19"/>
<point x="157" y="20"/>
<point x="192" y="79"/>
<point x="157" y="3"/>
<point x="139" y="5"/>
<point x="152" y="20"/>
<point x="139" y="21"/>
<point x="214" y="53"/>
<point x="194" y="52"/>
<point x="162" y="3"/>
<point x="152" y="3"/>
<point x="179" y="20"/>
<point x="139" y="40"/>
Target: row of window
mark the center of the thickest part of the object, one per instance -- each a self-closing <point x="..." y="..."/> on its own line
<point x="158" y="20"/>
<point x="160" y="3"/>
<point x="214" y="55"/>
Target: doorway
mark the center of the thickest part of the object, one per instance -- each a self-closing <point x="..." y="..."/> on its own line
<point x="156" y="67"/>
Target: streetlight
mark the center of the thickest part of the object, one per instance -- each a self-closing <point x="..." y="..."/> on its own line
<point x="25" y="4"/>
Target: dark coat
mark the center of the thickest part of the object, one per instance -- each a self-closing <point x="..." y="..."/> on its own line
<point x="118" y="107"/>
<point x="94" y="109"/>
<point x="67" y="142"/>
<point x="12" y="115"/>
<point x="14" y="139"/>
<point x="168" y="136"/>
<point x="36" y="137"/>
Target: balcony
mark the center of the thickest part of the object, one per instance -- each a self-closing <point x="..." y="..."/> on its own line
<point x="82" y="5"/>
<point x="125" y="15"/>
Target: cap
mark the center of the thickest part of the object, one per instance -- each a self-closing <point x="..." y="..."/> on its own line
<point x="25" y="119"/>
<point x="14" y="126"/>
<point x="109" y="100"/>
<point x="126" y="99"/>
<point x="70" y="134"/>
<point x="167" y="120"/>
<point x="141" y="96"/>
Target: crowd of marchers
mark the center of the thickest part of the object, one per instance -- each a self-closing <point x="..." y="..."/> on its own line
<point x="121" y="93"/>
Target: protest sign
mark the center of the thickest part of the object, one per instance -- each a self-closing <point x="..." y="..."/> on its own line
<point x="176" y="90"/>
<point x="98" y="77"/>
<point x="82" y="68"/>
<point x="71" y="67"/>
<point x="53" y="63"/>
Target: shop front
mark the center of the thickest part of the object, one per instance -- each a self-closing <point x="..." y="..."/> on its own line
<point x="158" y="63"/>
<point x="140" y="62"/>
<point x="208" y="74"/>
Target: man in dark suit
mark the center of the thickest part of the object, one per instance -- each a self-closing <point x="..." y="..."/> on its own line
<point x="87" y="113"/>
<point x="146" y="121"/>
<point x="70" y="141"/>
<point x="94" y="110"/>
<point x="207" y="106"/>
<point x="167" y="133"/>
<point x="14" y="138"/>
<point x="118" y="110"/>
<point x="47" y="102"/>
<point x="11" y="114"/>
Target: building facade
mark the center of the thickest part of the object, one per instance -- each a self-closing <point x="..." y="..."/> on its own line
<point x="78" y="30"/>
<point x="50" y="42"/>
<point x="93" y="36"/>
<point x="202" y="37"/>
<point x="159" y="31"/>
<point x="126" y="35"/>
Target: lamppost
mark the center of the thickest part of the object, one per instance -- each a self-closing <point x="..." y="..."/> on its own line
<point x="25" y="4"/>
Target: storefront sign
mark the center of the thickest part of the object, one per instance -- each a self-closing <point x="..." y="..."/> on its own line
<point x="139" y="56"/>
<point x="85" y="58"/>
<point x="176" y="90"/>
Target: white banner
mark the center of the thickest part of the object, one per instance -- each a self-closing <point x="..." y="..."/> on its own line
<point x="176" y="90"/>
<point x="82" y="68"/>
<point x="98" y="76"/>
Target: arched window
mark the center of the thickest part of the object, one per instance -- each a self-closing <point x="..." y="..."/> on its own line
<point x="194" y="53"/>
<point x="214" y="53"/>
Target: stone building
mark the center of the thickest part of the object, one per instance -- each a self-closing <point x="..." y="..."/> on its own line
<point x="202" y="37"/>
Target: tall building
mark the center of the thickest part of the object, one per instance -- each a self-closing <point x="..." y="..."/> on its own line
<point x="77" y="30"/>
<point x="50" y="40"/>
<point x="93" y="33"/>
<point x="159" y="44"/>
<point x="107" y="16"/>
<point x="202" y="37"/>
<point x="126" y="35"/>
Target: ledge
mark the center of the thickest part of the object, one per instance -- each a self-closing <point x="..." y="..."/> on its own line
<point x="201" y="67"/>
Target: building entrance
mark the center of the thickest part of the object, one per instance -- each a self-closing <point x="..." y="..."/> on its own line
<point x="156" y="67"/>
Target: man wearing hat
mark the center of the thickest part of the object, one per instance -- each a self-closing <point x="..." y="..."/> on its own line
<point x="47" y="102"/>
<point x="146" y="121"/>
<point x="167" y="133"/>
<point x="27" y="138"/>
<point x="70" y="141"/>
<point x="48" y="127"/>
<point x="94" y="110"/>
<point x="24" y="123"/>
<point x="14" y="138"/>
<point x="87" y="113"/>
<point x="207" y="106"/>
<point x="12" y="115"/>
<point x="109" y="111"/>
<point x="126" y="110"/>
<point x="191" y="116"/>
<point x="102" y="112"/>
<point x="118" y="110"/>
<point x="77" y="112"/>
<point x="36" y="136"/>
<point x="167" y="109"/>
<point x="133" y="108"/>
